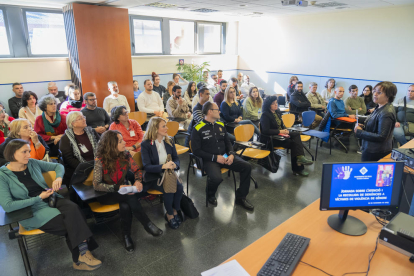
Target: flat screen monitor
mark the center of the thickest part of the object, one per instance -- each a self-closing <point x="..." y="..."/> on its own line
<point x="365" y="185"/>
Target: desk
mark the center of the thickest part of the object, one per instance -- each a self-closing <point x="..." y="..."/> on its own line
<point x="329" y="250"/>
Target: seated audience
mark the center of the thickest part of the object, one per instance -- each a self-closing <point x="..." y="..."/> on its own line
<point x="336" y="106"/>
<point x="53" y="90"/>
<point x="22" y="129"/>
<point x="5" y="120"/>
<point x="367" y="96"/>
<point x="234" y="83"/>
<point x="246" y="86"/>
<point x="75" y="101"/>
<point x="271" y="124"/>
<point x="219" y="97"/>
<point x="51" y="125"/>
<point x="300" y="103"/>
<point x="190" y="93"/>
<point x="219" y="76"/>
<point x="404" y="108"/>
<point x="23" y="185"/>
<point x="15" y="103"/>
<point x="114" y="168"/>
<point x="196" y="98"/>
<point x="29" y="109"/>
<point x="329" y="91"/>
<point x="354" y="103"/>
<point x="168" y="93"/>
<point x="214" y="86"/>
<point x="157" y="87"/>
<point x="136" y="89"/>
<point x="210" y="142"/>
<point x="155" y="149"/>
<point x="178" y="107"/>
<point x="317" y="102"/>
<point x="130" y="129"/>
<point x="231" y="111"/>
<point x="252" y="106"/>
<point x="78" y="144"/>
<point x="205" y="80"/>
<point x="150" y="101"/>
<point x="291" y="87"/>
<point x="115" y="99"/>
<point x="96" y="117"/>
<point x="176" y="79"/>
<point x="239" y="81"/>
<point x="376" y="132"/>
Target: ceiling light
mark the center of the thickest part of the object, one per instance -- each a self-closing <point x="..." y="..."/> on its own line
<point x="161" y="5"/>
<point x="204" y="10"/>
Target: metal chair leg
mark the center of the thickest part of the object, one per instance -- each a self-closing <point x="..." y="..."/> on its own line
<point x="188" y="176"/>
<point x="316" y="150"/>
<point x="207" y="191"/>
<point x="342" y="144"/>
<point x="235" y="187"/>
<point x="255" y="182"/>
<point x="313" y="159"/>
<point x="23" y="251"/>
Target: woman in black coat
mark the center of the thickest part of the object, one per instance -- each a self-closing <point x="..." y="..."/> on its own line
<point x="377" y="131"/>
<point x="367" y="96"/>
<point x="271" y="124"/>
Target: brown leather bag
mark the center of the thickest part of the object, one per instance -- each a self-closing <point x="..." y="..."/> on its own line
<point x="169" y="179"/>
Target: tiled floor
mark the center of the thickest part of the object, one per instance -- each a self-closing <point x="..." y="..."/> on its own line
<point x="199" y="244"/>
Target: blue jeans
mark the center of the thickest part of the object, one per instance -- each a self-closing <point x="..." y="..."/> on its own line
<point x="411" y="212"/>
<point x="399" y="135"/>
<point x="247" y="122"/>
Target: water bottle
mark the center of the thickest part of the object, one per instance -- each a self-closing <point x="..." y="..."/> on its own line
<point x="259" y="113"/>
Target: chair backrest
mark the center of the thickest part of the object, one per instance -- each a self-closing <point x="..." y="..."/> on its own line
<point x="138" y="116"/>
<point x="281" y="100"/>
<point x="172" y="128"/>
<point x="165" y="116"/>
<point x="138" y="159"/>
<point x="308" y="117"/>
<point x="243" y="133"/>
<point x="288" y="119"/>
<point x="49" y="177"/>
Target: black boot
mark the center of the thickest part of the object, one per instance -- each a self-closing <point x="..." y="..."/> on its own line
<point x="129" y="245"/>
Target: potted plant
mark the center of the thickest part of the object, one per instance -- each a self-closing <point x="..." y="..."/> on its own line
<point x="193" y="72"/>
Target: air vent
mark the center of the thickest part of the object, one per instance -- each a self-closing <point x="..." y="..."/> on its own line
<point x="329" y="5"/>
<point x="161" y="5"/>
<point x="204" y="10"/>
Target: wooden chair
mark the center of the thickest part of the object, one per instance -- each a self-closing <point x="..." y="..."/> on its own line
<point x="139" y="116"/>
<point x="138" y="160"/>
<point x="197" y="163"/>
<point x="172" y="131"/>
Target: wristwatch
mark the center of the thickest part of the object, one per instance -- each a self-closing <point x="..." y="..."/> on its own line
<point x="135" y="147"/>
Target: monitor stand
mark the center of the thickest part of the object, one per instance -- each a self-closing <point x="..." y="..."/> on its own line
<point x="347" y="225"/>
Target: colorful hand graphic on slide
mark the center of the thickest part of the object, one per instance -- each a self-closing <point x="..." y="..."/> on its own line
<point x="344" y="172"/>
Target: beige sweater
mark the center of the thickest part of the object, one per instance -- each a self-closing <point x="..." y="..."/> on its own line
<point x="25" y="113"/>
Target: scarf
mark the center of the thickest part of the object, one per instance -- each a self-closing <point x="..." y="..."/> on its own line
<point x="75" y="103"/>
<point x="71" y="135"/>
<point x="49" y="128"/>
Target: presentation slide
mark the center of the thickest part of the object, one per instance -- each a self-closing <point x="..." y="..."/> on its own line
<point x="361" y="185"/>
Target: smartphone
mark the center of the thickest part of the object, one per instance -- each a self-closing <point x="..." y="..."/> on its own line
<point x="225" y="155"/>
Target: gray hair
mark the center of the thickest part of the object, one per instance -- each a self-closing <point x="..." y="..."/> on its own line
<point x="71" y="117"/>
<point x="313" y="84"/>
<point x="51" y="84"/>
<point x="88" y="94"/>
<point x="111" y="83"/>
<point x="45" y="100"/>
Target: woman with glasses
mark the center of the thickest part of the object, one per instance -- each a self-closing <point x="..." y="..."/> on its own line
<point x="51" y="125"/>
<point x="78" y="144"/>
<point x="22" y="129"/>
<point x="130" y="129"/>
<point x="5" y="120"/>
<point x="74" y="102"/>
<point x="29" y="109"/>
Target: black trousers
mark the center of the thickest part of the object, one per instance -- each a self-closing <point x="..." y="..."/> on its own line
<point x="293" y="143"/>
<point x="214" y="176"/>
<point x="171" y="200"/>
<point x="71" y="224"/>
<point x="372" y="156"/>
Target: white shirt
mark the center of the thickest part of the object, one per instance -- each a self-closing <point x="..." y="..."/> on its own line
<point x="196" y="99"/>
<point x="326" y="95"/>
<point x="214" y="89"/>
<point x="112" y="101"/>
<point x="245" y="88"/>
<point x="162" y="152"/>
<point x="26" y="113"/>
<point x="149" y="103"/>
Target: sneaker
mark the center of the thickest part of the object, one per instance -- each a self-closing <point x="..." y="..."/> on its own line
<point x="82" y="266"/>
<point x="89" y="260"/>
<point x="359" y="152"/>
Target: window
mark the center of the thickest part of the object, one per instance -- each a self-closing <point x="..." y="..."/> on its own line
<point x="209" y="37"/>
<point x="46" y="31"/>
<point x="4" y="42"/>
<point x="181" y="37"/>
<point x="147" y="36"/>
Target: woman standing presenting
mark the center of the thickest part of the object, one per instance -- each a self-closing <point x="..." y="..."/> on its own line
<point x="377" y="131"/>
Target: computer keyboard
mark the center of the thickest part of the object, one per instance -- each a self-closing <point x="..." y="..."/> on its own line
<point x="286" y="256"/>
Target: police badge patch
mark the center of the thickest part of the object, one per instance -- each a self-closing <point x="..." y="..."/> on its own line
<point x="220" y="129"/>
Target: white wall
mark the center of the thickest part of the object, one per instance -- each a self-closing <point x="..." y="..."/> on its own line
<point x="355" y="47"/>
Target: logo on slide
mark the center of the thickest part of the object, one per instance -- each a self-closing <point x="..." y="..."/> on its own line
<point x="343" y="172"/>
<point x="363" y="170"/>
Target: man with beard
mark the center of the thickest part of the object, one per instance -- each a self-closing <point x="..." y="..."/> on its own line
<point x="300" y="103"/>
<point x="114" y="99"/>
<point x="96" y="117"/>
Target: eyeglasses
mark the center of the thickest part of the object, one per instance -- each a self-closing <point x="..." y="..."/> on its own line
<point x="2" y="111"/>
<point x="80" y="118"/>
<point x="125" y="113"/>
<point x="92" y="99"/>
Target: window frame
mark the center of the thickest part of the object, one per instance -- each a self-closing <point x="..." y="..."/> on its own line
<point x="26" y="32"/>
<point x="131" y="24"/>
<point x="222" y="33"/>
<point x="6" y="25"/>
<point x="195" y="36"/>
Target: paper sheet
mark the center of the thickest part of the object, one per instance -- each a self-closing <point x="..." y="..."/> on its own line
<point x="232" y="268"/>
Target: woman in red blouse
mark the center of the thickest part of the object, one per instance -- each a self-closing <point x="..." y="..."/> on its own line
<point x="130" y="129"/>
<point x="74" y="101"/>
<point x="5" y="120"/>
<point x="114" y="168"/>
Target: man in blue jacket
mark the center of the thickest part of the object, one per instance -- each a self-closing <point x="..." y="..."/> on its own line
<point x="336" y="105"/>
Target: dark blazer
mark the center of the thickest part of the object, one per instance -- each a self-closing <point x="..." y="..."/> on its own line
<point x="150" y="159"/>
<point x="269" y="126"/>
<point x="8" y="139"/>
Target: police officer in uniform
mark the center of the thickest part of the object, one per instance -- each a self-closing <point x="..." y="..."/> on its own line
<point x="209" y="140"/>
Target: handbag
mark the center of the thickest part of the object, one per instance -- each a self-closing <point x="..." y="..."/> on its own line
<point x="188" y="208"/>
<point x="52" y="200"/>
<point x="408" y="127"/>
<point x="169" y="179"/>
